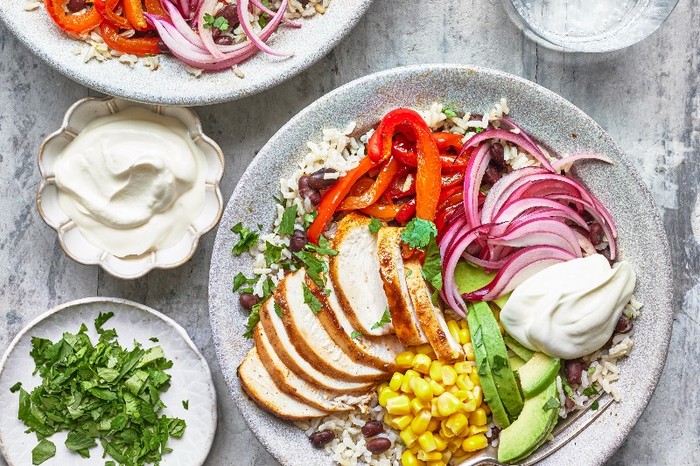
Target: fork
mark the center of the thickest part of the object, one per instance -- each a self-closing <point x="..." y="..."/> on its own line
<point x="489" y="456"/>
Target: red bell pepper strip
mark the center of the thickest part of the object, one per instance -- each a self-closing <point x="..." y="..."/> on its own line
<point x="333" y="197"/>
<point x="444" y="217"/>
<point x="77" y="23"/>
<point x="133" y="10"/>
<point x="383" y="210"/>
<point x="372" y="195"/>
<point x="407" y="212"/>
<point x="396" y="190"/>
<point x="447" y="193"/>
<point x="106" y="10"/>
<point x="154" y="7"/>
<point x="451" y="179"/>
<point x="446" y="141"/>
<point x="136" y="45"/>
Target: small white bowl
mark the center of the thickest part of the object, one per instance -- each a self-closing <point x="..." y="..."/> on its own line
<point x="74" y="243"/>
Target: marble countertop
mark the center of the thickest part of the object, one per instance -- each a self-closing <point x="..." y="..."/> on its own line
<point x="647" y="97"/>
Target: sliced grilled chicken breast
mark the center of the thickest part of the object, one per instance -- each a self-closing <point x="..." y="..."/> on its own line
<point x="311" y="339"/>
<point x="354" y="272"/>
<point x="431" y="318"/>
<point x="393" y="275"/>
<point x="288" y="354"/>
<point x="258" y="384"/>
<point x="379" y="352"/>
<point x="296" y="387"/>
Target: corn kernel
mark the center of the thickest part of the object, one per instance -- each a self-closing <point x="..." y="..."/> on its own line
<point x="404" y="360"/>
<point x="399" y="405"/>
<point x="434" y="424"/>
<point x="422" y="389"/>
<point x="464" y="382"/>
<point x="406" y="383"/>
<point x="418" y="405"/>
<point x="409" y="459"/>
<point x="474" y="377"/>
<point x="446" y="456"/>
<point x="396" y="380"/>
<point x="461" y="395"/>
<point x="432" y="456"/>
<point x="408" y="437"/>
<point x="388" y="419"/>
<point x="454" y="444"/>
<point x="435" y="372"/>
<point x="478" y="417"/>
<point x="469" y="406"/>
<point x="474" y="443"/>
<point x="434" y="408"/>
<point x="437" y="388"/>
<point x="473" y="430"/>
<point x="440" y="443"/>
<point x="401" y="422"/>
<point x="457" y="423"/>
<point x="415" y="448"/>
<point x="452" y="389"/>
<point x="464" y="336"/>
<point x="424" y="349"/>
<point x="469" y="352"/>
<point x="463" y="367"/>
<point x="385" y="395"/>
<point x="449" y="375"/>
<point x="420" y="422"/>
<point x="421" y="363"/>
<point x="453" y="327"/>
<point x="478" y="395"/>
<point x="446" y="433"/>
<point x="447" y="404"/>
<point x="427" y="442"/>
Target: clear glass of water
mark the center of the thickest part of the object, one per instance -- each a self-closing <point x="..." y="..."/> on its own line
<point x="588" y="25"/>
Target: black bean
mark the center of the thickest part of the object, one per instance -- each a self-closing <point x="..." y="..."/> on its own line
<point x="303" y="183"/>
<point x="307" y="192"/>
<point x="248" y="300"/>
<point x="492" y="175"/>
<point x="574" y="368"/>
<point x="596" y="234"/>
<point x="223" y="40"/>
<point x="322" y="437"/>
<point x="624" y="324"/>
<point x="568" y="404"/>
<point x="298" y="241"/>
<point x="318" y="181"/>
<point x="75" y="6"/>
<point x="378" y="445"/>
<point x="215" y="33"/>
<point x="313" y="196"/>
<point x="162" y="47"/>
<point x="229" y="12"/>
<point x="372" y="428"/>
<point x="497" y="155"/>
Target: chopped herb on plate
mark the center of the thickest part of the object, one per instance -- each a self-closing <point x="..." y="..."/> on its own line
<point x="386" y="319"/>
<point x="247" y="239"/>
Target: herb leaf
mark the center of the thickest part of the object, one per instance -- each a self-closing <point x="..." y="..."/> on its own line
<point x="552" y="403"/>
<point x="287" y="222"/>
<point x="315" y="267"/>
<point x="44" y="450"/>
<point x="386" y="319"/>
<point x="186" y="404"/>
<point x="311" y="300"/>
<point x="449" y="112"/>
<point x="323" y="248"/>
<point x="273" y="253"/>
<point x="374" y="225"/>
<point x="278" y="310"/>
<point x="220" y="23"/>
<point x="239" y="280"/>
<point x="432" y="266"/>
<point x="418" y="233"/>
<point x="590" y="391"/>
<point x="356" y="335"/>
<point x="595" y="405"/>
<point x="247" y="239"/>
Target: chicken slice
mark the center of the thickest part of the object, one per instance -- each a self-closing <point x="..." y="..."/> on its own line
<point x="393" y="274"/>
<point x="311" y="339"/>
<point x="258" y="384"/>
<point x="279" y="339"/>
<point x="296" y="387"/>
<point x="431" y="318"/>
<point x="379" y="352"/>
<point x="354" y="272"/>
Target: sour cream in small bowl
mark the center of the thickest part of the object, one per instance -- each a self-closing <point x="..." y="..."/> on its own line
<point x="130" y="187"/>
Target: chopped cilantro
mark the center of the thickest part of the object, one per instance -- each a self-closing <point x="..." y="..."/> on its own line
<point x="287" y="223"/>
<point x="278" y="309"/>
<point x="309" y="218"/>
<point x="591" y="370"/>
<point x="272" y="254"/>
<point x="595" y="405"/>
<point x="590" y="391"/>
<point x="374" y="225"/>
<point x="323" y="248"/>
<point x="478" y="130"/>
<point x="253" y="320"/>
<point x="247" y="239"/>
<point x="478" y="337"/>
<point x="239" y="280"/>
<point x="448" y="111"/>
<point x="483" y="368"/>
<point x="499" y="363"/>
<point x="219" y="23"/>
<point x="186" y="404"/>
<point x="153" y="339"/>
<point x="552" y="403"/>
<point x="15" y="388"/>
<point x="262" y="21"/>
<point x="315" y="267"/>
<point x="567" y="387"/>
<point x="432" y="266"/>
<point x="356" y="335"/>
<point x="418" y="233"/>
<point x="386" y="319"/>
<point x="99" y="393"/>
<point x="311" y="300"/>
<point x="409" y="272"/>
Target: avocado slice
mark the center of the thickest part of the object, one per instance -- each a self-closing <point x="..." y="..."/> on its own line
<point x="470" y="277"/>
<point x="524" y="353"/>
<point x="500" y="417"/>
<point x="497" y="354"/>
<point x="537" y="374"/>
<point x="533" y="426"/>
<point x="516" y="363"/>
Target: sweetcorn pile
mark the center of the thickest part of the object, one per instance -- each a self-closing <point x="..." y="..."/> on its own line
<point x="437" y="408"/>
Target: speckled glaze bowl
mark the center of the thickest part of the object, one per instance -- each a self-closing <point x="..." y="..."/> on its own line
<point x="553" y="120"/>
<point x="171" y="84"/>
<point x="75" y="245"/>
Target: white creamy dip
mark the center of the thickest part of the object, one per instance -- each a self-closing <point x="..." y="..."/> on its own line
<point x="132" y="182"/>
<point x="570" y="309"/>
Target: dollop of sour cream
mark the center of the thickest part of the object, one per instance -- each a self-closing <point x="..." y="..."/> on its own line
<point x="570" y="309"/>
<point x="132" y="182"/>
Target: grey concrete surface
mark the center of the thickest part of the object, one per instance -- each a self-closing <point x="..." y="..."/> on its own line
<point x="645" y="96"/>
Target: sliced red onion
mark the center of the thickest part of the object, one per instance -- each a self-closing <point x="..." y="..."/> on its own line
<point x="502" y="189"/>
<point x="521" y="266"/>
<point x="473" y="175"/>
<point x="185" y="7"/>
<point x="543" y="231"/>
<point x="564" y="164"/>
<point x="243" y="8"/>
<point x="516" y="139"/>
<point x="205" y="33"/>
<point x="450" y="293"/>
<point x="179" y="22"/>
<point x="585" y="243"/>
<point x="550" y="208"/>
<point x="265" y="9"/>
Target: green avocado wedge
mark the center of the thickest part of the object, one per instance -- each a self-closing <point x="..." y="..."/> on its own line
<point x="516" y="363"/>
<point x="500" y="417"/>
<point x="470" y="277"/>
<point x="523" y="353"/>
<point x="539" y="372"/>
<point x="531" y="429"/>
<point x="497" y="353"/>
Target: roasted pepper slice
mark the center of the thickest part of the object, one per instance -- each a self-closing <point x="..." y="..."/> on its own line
<point x="133" y="10"/>
<point x="384" y="209"/>
<point x="77" y="23"/>
<point x="106" y="10"/>
<point x="136" y="45"/>
<point x="155" y="8"/>
<point x="371" y="195"/>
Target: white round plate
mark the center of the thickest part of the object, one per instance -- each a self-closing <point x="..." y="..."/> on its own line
<point x="171" y="84"/>
<point x="191" y="380"/>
